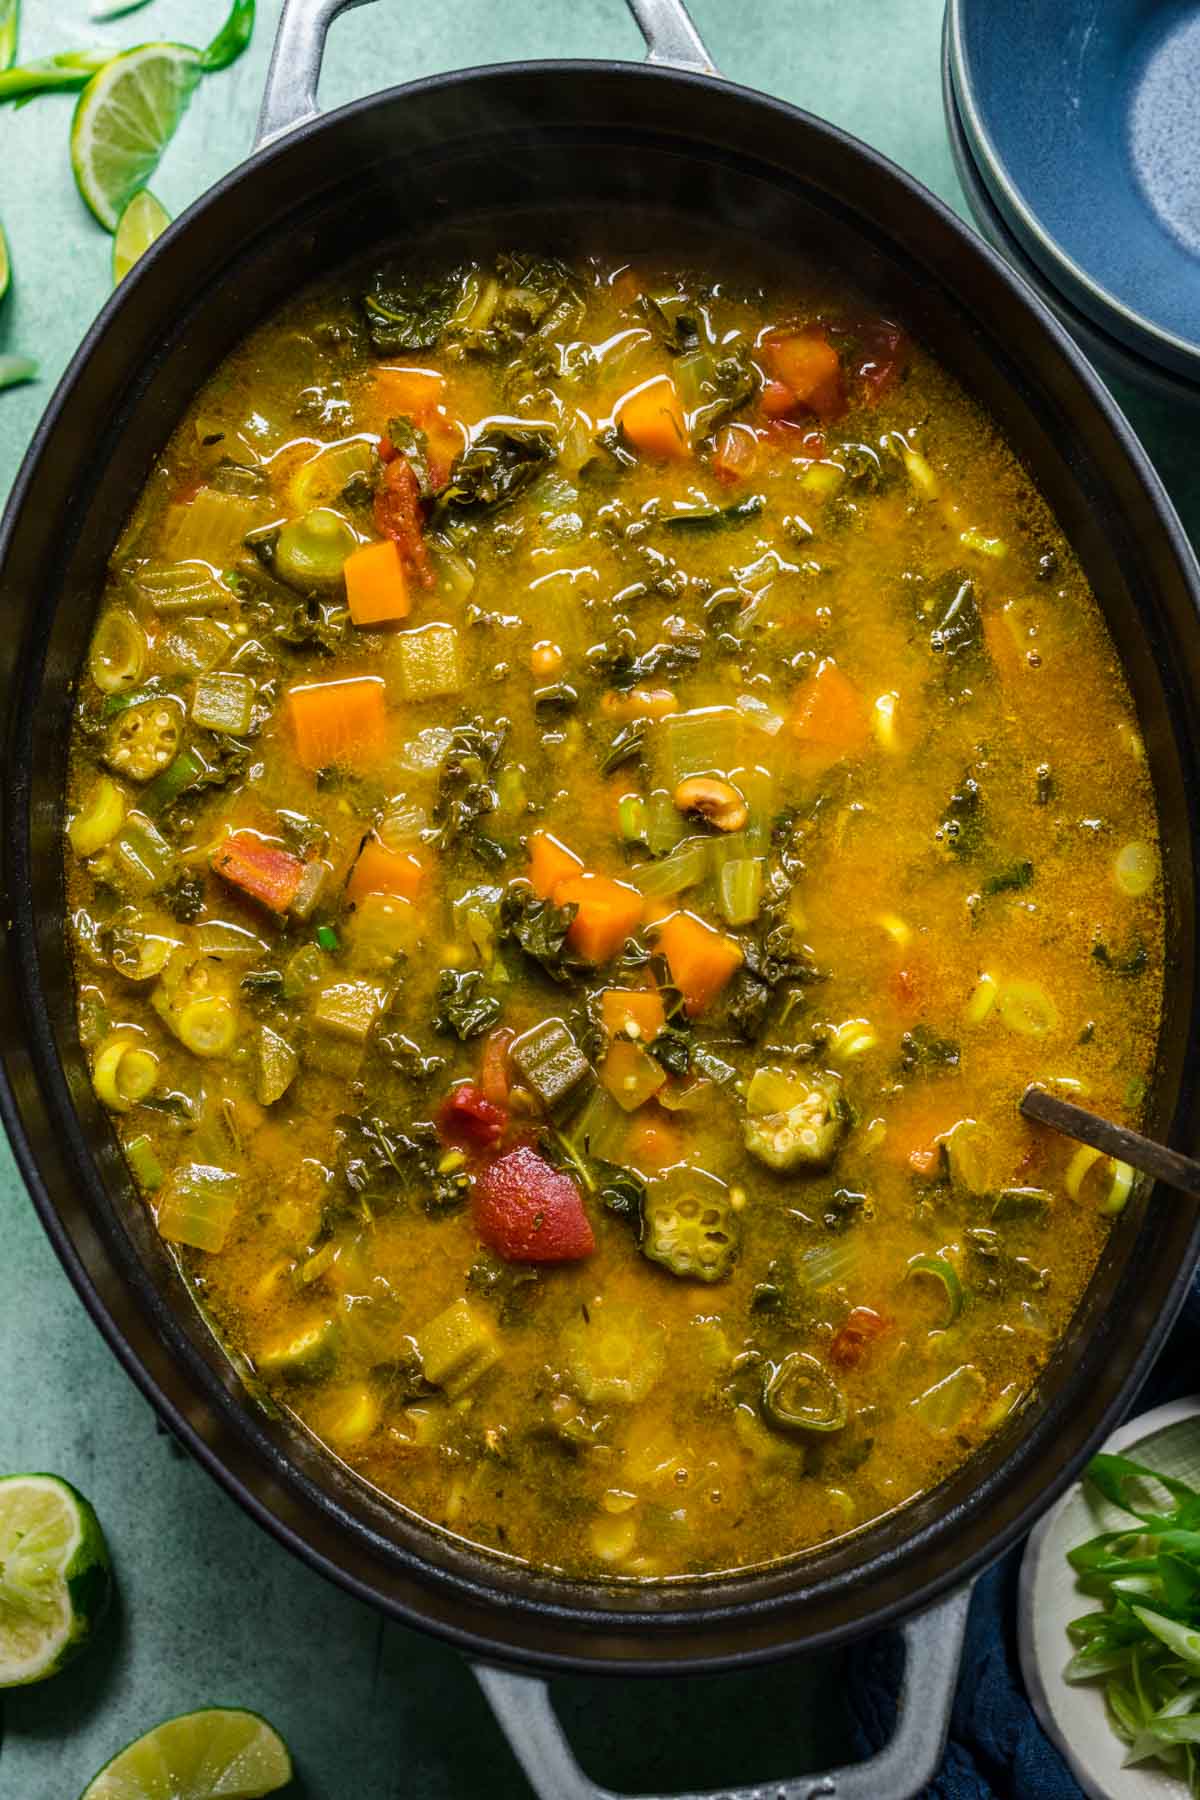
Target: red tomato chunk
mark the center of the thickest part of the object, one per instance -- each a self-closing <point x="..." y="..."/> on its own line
<point x="853" y="1339"/>
<point x="468" y="1118"/>
<point x="528" y="1212"/>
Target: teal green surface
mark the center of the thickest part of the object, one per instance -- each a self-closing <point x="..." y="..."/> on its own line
<point x="210" y="1609"/>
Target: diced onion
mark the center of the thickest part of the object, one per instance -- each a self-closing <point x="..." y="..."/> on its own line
<point x="1025" y="1006"/>
<point x="1135" y="868"/>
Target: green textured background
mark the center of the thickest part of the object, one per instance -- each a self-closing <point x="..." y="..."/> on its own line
<point x="211" y="1609"/>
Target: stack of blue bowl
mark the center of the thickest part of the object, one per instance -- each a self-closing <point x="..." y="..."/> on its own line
<point x="1075" y="129"/>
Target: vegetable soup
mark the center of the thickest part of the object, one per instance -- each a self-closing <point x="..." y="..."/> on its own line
<point x="594" y="790"/>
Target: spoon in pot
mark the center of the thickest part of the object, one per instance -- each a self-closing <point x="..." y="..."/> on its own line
<point x="1182" y="1172"/>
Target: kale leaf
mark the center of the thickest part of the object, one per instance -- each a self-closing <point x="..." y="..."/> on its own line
<point x="716" y="518"/>
<point x="539" y="927"/>
<point x="732" y="383"/>
<point x="183" y="897"/>
<point x="922" y="1052"/>
<point x="465" y="793"/>
<point x="413" y="445"/>
<point x="538" y="298"/>
<point x="379" y="1162"/>
<point x="624" y="670"/>
<point x="676" y="329"/>
<point x="404" y="311"/>
<point x="501" y="463"/>
<point x="961" y="831"/>
<point x="462" y="1009"/>
<point x="1018" y="875"/>
<point x="314" y="625"/>
<point x="958" y="627"/>
<point x="1134" y="962"/>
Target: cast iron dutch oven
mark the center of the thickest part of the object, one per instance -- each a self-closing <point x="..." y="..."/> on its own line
<point x="550" y="141"/>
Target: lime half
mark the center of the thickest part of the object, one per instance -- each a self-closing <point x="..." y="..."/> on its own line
<point x="125" y="119"/>
<point x="54" y="1576"/>
<point x="221" y="1753"/>
<point x="143" y="220"/>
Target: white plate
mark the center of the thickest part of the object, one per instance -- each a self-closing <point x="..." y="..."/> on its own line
<point x="1073" y="1714"/>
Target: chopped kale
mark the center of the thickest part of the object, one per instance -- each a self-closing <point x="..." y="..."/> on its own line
<point x="961" y="831"/>
<point x="626" y="747"/>
<point x="624" y="1194"/>
<point x="313" y="624"/>
<point x="462" y="1009"/>
<point x="538" y="298"/>
<point x="263" y="984"/>
<point x="1135" y="960"/>
<point x="716" y="518"/>
<point x="406" y="1058"/>
<point x="922" y="1052"/>
<point x="1011" y="880"/>
<point x="380" y="1163"/>
<point x="501" y="463"/>
<point x="406" y="312"/>
<point x="183" y="897"/>
<point x="676" y="329"/>
<point x="958" y="627"/>
<point x="413" y="445"/>
<point x="509" y="1287"/>
<point x="539" y="927"/>
<point x="733" y="382"/>
<point x="625" y="670"/>
<point x="465" y="794"/>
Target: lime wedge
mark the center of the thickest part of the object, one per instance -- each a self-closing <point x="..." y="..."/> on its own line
<point x="125" y="119"/>
<point x="221" y="1752"/>
<point x="143" y="220"/>
<point x="54" y="1576"/>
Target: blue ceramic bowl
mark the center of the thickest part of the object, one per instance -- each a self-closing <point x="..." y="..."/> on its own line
<point x="1083" y="122"/>
<point x="1115" y="360"/>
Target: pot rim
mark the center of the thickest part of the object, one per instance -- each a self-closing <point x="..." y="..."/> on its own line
<point x="764" y="1629"/>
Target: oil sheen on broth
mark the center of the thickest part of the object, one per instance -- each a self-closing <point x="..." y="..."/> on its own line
<point x="594" y="790"/>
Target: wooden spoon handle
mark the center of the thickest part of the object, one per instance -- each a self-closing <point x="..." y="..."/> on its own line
<point x="1182" y="1172"/>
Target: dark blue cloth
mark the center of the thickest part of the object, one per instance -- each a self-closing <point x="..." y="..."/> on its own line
<point x="997" y="1750"/>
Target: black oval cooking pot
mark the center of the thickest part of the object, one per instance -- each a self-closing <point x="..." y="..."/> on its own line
<point x="536" y="144"/>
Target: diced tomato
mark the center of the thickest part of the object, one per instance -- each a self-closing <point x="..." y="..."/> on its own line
<point x="777" y="400"/>
<point x="398" y="516"/>
<point x="529" y="1212"/>
<point x="881" y="356"/>
<point x="806" y="362"/>
<point x="735" y="454"/>
<point x="468" y="1118"/>
<point x="494" y="1066"/>
<point x="853" y="1339"/>
<point x="265" y="873"/>
<point x="654" y="1142"/>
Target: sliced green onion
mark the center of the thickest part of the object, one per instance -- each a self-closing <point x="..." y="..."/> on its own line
<point x="950" y="1402"/>
<point x="148" y="1172"/>
<point x="829" y="1265"/>
<point x="936" y="1268"/>
<point x="1025" y="1006"/>
<point x="1113" y="1199"/>
<point x="327" y="939"/>
<point x="983" y="999"/>
<point x="983" y="545"/>
<point x="664" y="823"/>
<point x="178" y="776"/>
<point x="683" y="868"/>
<point x="1135" y="868"/>
<point x="632" y="818"/>
<point x="854" y="1037"/>
<point x="741" y="890"/>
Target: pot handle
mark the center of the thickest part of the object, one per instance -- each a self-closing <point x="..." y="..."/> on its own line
<point x="903" y="1768"/>
<point x="290" y="96"/>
